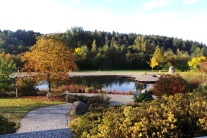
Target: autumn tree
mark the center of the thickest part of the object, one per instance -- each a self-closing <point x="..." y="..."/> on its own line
<point x="153" y="62"/>
<point x="50" y="59"/>
<point x="81" y="52"/>
<point x="194" y="63"/>
<point x="159" y="56"/>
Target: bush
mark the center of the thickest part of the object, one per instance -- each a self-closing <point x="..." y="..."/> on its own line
<point x="6" y="126"/>
<point x="203" y="67"/>
<point x="194" y="79"/>
<point x="170" y="85"/>
<point x="27" y="86"/>
<point x="181" y="115"/>
<point x="7" y="94"/>
<point x="143" y="97"/>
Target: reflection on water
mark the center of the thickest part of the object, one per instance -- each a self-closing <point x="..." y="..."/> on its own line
<point x="105" y="83"/>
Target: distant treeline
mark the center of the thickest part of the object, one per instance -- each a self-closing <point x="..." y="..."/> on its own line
<point x="100" y="50"/>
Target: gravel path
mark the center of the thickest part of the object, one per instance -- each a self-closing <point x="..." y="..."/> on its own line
<point x="46" y="118"/>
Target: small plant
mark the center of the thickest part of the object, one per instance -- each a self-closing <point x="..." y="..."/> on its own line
<point x="143" y="97"/>
<point x="6" y="126"/>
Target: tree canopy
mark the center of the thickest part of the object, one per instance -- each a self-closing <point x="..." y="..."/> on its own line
<point x="100" y="50"/>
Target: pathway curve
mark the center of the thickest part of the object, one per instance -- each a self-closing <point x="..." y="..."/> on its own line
<point x="46" y="118"/>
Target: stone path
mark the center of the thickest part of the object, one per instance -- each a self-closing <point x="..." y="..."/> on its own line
<point x="46" y="118"/>
<point x="55" y="133"/>
<point x="45" y="122"/>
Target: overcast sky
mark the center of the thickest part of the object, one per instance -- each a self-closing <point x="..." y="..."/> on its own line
<point x="186" y="19"/>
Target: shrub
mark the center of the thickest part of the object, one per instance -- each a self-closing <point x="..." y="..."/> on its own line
<point x="7" y="94"/>
<point x="26" y="86"/>
<point x="143" y="97"/>
<point x="203" y="67"/>
<point x="194" y="79"/>
<point x="181" y="115"/>
<point x="170" y="85"/>
<point x="6" y="126"/>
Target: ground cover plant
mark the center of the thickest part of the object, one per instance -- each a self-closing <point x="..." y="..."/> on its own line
<point x="15" y="108"/>
<point x="6" y="126"/>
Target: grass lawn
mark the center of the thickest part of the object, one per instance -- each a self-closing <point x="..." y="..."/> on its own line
<point x="16" y="108"/>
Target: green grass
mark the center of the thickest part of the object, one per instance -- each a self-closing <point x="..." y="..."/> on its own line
<point x="16" y="108"/>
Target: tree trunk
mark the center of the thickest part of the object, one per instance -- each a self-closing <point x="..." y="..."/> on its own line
<point x="49" y="86"/>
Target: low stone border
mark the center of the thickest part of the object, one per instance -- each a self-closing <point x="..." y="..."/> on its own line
<point x="56" y="133"/>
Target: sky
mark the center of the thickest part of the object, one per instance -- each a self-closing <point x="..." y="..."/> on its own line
<point x="185" y="19"/>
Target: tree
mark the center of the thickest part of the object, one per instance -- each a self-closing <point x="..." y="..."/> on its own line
<point x="94" y="47"/>
<point x="81" y="52"/>
<point x="153" y="62"/>
<point x="6" y="68"/>
<point x="50" y="59"/>
<point x="194" y="63"/>
<point x="159" y="56"/>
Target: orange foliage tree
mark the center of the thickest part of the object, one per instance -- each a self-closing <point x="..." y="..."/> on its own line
<point x="50" y="59"/>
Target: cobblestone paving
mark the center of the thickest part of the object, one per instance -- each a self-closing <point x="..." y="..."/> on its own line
<point x="46" y="118"/>
<point x="56" y="133"/>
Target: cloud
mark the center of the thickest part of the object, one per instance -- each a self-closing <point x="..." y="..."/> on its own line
<point x="154" y="4"/>
<point x="187" y="2"/>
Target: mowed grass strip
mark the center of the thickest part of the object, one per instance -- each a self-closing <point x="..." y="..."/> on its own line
<point x="16" y="108"/>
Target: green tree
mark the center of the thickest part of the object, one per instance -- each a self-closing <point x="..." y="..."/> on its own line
<point x="7" y="67"/>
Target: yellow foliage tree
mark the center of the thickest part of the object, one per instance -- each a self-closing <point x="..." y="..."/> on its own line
<point x="81" y="52"/>
<point x="194" y="63"/>
<point x="153" y="62"/>
<point x="50" y="59"/>
<point x="159" y="56"/>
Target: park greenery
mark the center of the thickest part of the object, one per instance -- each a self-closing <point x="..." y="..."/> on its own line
<point x="178" y="111"/>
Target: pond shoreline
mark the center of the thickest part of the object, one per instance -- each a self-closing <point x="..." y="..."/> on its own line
<point x="96" y="73"/>
<point x="106" y="73"/>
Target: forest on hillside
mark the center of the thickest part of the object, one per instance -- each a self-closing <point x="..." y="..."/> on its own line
<point x="100" y="50"/>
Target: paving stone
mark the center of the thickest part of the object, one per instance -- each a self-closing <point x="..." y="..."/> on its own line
<point x="57" y="133"/>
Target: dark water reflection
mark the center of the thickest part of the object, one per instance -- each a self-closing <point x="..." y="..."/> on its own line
<point x="105" y="83"/>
